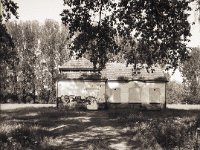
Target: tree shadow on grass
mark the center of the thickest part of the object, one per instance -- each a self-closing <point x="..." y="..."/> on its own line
<point x="123" y="128"/>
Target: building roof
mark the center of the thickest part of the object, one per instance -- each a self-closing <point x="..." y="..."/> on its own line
<point x="120" y="71"/>
<point x="77" y="64"/>
<point x="83" y="69"/>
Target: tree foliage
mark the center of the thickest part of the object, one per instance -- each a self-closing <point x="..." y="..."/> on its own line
<point x="175" y="93"/>
<point x="25" y="38"/>
<point x="53" y="44"/>
<point x="190" y="70"/>
<point x="39" y="50"/>
<point x="9" y="9"/>
<point x="6" y="44"/>
<point x="7" y="53"/>
<point x="160" y="28"/>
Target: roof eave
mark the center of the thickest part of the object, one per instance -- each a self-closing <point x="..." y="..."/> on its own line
<point x="142" y="80"/>
<point x="77" y="69"/>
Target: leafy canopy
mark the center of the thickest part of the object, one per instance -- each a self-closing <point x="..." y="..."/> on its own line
<point x="159" y="27"/>
<point x="6" y="44"/>
<point x="9" y="8"/>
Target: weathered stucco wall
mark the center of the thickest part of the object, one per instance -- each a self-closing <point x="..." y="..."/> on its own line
<point x="135" y="92"/>
<point x="81" y="88"/>
<point x="114" y="91"/>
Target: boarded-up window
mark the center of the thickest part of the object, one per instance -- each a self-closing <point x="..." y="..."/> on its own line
<point x="117" y="94"/>
<point x="154" y="95"/>
<point x="134" y="95"/>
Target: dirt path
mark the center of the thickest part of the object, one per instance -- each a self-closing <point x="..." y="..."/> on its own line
<point x="96" y="131"/>
<point x="17" y="106"/>
<point x="184" y="106"/>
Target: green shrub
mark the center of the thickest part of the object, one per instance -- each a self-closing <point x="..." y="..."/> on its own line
<point x="25" y="137"/>
<point x="175" y="93"/>
<point x="20" y="137"/>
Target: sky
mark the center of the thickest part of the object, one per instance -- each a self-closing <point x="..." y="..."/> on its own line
<point x="50" y="9"/>
<point x="40" y="9"/>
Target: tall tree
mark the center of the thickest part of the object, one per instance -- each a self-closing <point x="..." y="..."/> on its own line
<point x="161" y="28"/>
<point x="16" y="32"/>
<point x="54" y="41"/>
<point x="63" y="45"/>
<point x="39" y="50"/>
<point x="7" y="53"/>
<point x="190" y="70"/>
<point x="25" y="36"/>
<point x="30" y="46"/>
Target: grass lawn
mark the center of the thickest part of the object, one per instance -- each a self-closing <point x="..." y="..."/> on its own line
<point x="49" y="128"/>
